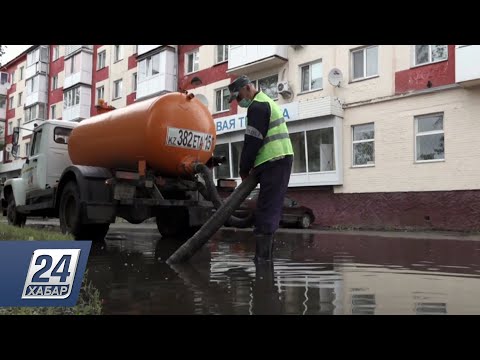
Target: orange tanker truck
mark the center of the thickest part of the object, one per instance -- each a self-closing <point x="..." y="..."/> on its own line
<point x="149" y="159"/>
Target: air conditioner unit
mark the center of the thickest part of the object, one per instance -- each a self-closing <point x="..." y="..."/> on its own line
<point x="283" y="88"/>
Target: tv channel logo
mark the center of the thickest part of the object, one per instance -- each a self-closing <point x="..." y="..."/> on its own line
<point x="51" y="274"/>
<point x="42" y="273"/>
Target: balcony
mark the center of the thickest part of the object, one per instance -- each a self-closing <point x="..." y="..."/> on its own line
<point x="77" y="103"/>
<point x="3" y="113"/>
<point x="4" y="89"/>
<point x="467" y="65"/>
<point x="143" y="49"/>
<point x="36" y="90"/>
<point x="73" y="49"/>
<point x="78" y="69"/>
<point x="156" y="74"/>
<point x="76" y="113"/>
<point x="35" y="69"/>
<point x="244" y="59"/>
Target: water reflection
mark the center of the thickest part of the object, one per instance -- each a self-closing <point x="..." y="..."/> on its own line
<point x="311" y="275"/>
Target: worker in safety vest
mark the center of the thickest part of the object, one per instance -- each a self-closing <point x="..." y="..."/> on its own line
<point x="268" y="153"/>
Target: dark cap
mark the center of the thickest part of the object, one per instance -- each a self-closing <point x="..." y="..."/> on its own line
<point x="236" y="85"/>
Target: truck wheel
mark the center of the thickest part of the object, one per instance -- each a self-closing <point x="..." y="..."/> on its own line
<point x="70" y="217"/>
<point x="13" y="216"/>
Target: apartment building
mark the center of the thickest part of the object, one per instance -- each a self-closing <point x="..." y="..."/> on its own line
<point x="384" y="135"/>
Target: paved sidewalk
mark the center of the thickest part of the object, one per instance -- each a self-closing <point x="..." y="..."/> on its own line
<point x="149" y="227"/>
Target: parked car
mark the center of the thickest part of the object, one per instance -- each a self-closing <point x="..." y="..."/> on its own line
<point x="294" y="215"/>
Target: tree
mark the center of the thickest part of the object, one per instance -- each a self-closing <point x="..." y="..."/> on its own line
<point x="2" y="51"/>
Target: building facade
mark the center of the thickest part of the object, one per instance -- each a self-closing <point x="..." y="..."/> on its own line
<point x="383" y="134"/>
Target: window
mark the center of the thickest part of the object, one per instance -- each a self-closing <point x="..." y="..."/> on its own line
<point x="134" y="82"/>
<point x="21" y="72"/>
<point x="364" y="63"/>
<point x="72" y="64"/>
<point x="16" y="151"/>
<point x="71" y="97"/>
<point x="429" y="137"/>
<point x="268" y="85"/>
<point x="221" y="100"/>
<point x="53" y="112"/>
<point x="430" y="308"/>
<point x="37" y="137"/>
<point x="363" y="304"/>
<point x="10" y="103"/>
<point x="312" y="76"/>
<point x="33" y="57"/>
<point x="222" y="53"/>
<point x="223" y="170"/>
<point x="118" y="53"/>
<point x="35" y="112"/>
<point x="61" y="135"/>
<point x="101" y="58"/>
<point x="27" y="149"/>
<point x="10" y="128"/>
<point x="426" y="54"/>
<point x="117" y="89"/>
<point x="32" y="85"/>
<point x="19" y="100"/>
<point x="44" y="50"/>
<point x="192" y="62"/>
<point x="299" y="160"/>
<point x="155" y="64"/>
<point x="3" y="102"/>
<point x="54" y="82"/>
<point x="363" y="145"/>
<point x="320" y="150"/>
<point x="236" y="152"/>
<point x="3" y="78"/>
<point x="100" y="93"/>
<point x="149" y="67"/>
<point x="12" y="77"/>
<point x="54" y="52"/>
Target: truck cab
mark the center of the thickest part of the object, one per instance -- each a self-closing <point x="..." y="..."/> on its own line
<point x="42" y="169"/>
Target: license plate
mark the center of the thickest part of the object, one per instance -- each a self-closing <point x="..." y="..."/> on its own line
<point x="124" y="191"/>
<point x="189" y="139"/>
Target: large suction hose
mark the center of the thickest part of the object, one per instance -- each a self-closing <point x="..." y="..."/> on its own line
<point x="210" y="193"/>
<point x="223" y="213"/>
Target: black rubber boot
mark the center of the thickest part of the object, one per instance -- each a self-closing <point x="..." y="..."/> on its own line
<point x="263" y="248"/>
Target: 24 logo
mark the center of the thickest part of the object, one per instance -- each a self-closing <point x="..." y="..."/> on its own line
<point x="51" y="274"/>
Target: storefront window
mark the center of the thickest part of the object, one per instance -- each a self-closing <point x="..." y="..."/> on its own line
<point x="223" y="170"/>
<point x="298" y="144"/>
<point x="236" y="152"/>
<point x="321" y="150"/>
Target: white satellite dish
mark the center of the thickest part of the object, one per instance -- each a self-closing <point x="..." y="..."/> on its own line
<point x="335" y="77"/>
<point x="8" y="147"/>
<point x="202" y="98"/>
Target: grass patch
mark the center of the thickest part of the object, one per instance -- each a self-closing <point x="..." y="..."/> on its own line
<point x="89" y="300"/>
<point x="8" y="232"/>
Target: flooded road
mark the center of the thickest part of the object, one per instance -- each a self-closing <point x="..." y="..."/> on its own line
<point x="312" y="274"/>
